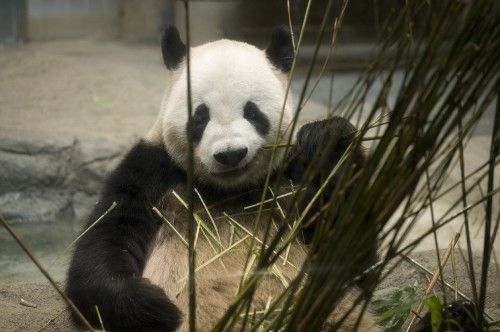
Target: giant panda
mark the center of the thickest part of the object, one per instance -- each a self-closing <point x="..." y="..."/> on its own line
<point x="131" y="267"/>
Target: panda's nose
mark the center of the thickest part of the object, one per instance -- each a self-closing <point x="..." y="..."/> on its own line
<point x="231" y="157"/>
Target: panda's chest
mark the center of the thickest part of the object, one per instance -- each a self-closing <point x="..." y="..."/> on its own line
<point x="226" y="227"/>
<point x="227" y="244"/>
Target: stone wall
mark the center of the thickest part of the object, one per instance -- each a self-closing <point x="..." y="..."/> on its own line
<point x="41" y="182"/>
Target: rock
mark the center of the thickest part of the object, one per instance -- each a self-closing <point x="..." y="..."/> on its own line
<point x="42" y="182"/>
<point x="69" y="110"/>
<point x="33" y="164"/>
<point x="35" y="204"/>
<point x="34" y="177"/>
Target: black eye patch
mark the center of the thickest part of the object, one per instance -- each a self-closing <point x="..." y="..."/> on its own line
<point x="198" y="122"/>
<point x="259" y="120"/>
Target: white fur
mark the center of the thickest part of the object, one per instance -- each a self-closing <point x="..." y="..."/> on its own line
<point x="218" y="280"/>
<point x="225" y="75"/>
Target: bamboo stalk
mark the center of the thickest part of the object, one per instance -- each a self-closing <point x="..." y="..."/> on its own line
<point x="435" y="278"/>
<point x="35" y="261"/>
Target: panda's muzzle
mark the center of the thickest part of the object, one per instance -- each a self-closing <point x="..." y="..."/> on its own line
<point x="231" y="158"/>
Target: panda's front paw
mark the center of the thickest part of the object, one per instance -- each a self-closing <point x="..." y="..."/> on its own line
<point x="321" y="145"/>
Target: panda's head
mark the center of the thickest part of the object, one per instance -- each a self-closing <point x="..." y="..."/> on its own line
<point x="238" y="93"/>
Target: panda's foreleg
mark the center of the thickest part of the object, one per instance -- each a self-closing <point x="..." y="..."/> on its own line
<point x="318" y="148"/>
<point x="108" y="260"/>
<point x="325" y="143"/>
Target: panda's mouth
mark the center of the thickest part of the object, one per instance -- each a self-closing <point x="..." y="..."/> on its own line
<point x="232" y="172"/>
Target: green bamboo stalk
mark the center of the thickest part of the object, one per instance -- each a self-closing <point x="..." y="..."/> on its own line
<point x="190" y="184"/>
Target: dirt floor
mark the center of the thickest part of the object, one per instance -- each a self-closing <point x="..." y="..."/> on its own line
<point x="44" y="310"/>
<point x="63" y="90"/>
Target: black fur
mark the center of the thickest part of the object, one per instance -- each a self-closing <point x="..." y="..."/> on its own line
<point x="172" y="48"/>
<point x="259" y="120"/>
<point x="320" y="142"/>
<point x="331" y="137"/>
<point x="280" y="50"/>
<point x="231" y="157"/>
<point x="109" y="259"/>
<point x="325" y="142"/>
<point x="196" y="125"/>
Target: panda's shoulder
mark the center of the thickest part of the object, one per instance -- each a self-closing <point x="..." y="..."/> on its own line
<point x="143" y="172"/>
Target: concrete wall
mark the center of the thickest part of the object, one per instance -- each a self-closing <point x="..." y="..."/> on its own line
<point x="209" y="19"/>
<point x="56" y="19"/>
<point x="144" y="20"/>
<point x="131" y="20"/>
<point x="12" y="21"/>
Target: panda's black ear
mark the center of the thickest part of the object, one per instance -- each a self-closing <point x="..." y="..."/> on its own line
<point x="172" y="48"/>
<point x="280" y="49"/>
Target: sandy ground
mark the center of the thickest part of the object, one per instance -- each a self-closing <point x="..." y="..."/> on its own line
<point x="44" y="310"/>
<point x="49" y="312"/>
<point x="106" y="95"/>
<point x="66" y="90"/>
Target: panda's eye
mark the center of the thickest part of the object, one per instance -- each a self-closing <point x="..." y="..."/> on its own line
<point x="201" y="114"/>
<point x="259" y="120"/>
<point x="250" y="112"/>
<point x="196" y="126"/>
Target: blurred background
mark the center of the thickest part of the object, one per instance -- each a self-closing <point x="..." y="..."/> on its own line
<point x="142" y="21"/>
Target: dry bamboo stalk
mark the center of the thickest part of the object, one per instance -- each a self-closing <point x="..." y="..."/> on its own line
<point x="434" y="279"/>
<point x="29" y="253"/>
